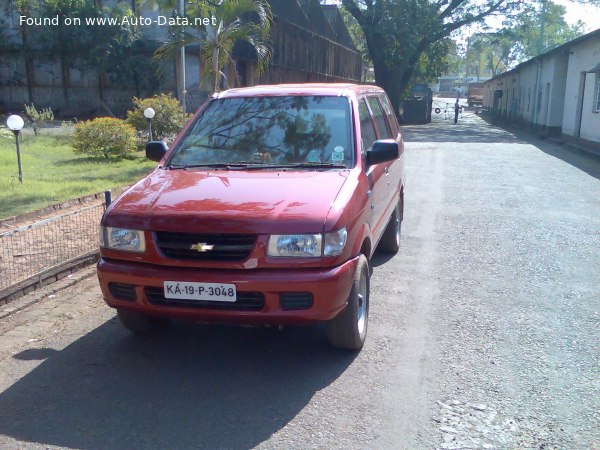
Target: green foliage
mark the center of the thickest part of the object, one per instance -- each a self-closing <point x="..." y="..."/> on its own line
<point x="434" y="62"/>
<point x="519" y="39"/>
<point x="5" y="133"/>
<point x="168" y="119"/>
<point x="522" y="33"/>
<point x="53" y="174"/>
<point x="38" y="118"/>
<point x="104" y="136"/>
<point x="216" y="41"/>
<point x="358" y="38"/>
<point x="106" y="48"/>
<point x="399" y="32"/>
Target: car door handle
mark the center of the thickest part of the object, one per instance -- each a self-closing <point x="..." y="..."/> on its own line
<point x="387" y="171"/>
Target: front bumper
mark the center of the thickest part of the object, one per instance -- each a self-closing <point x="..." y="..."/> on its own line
<point x="140" y="286"/>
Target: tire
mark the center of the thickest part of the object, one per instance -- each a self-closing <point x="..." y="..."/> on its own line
<point x="348" y="330"/>
<point x="139" y="323"/>
<point x="390" y="241"/>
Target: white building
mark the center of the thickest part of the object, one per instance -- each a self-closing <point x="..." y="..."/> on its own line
<point x="557" y="93"/>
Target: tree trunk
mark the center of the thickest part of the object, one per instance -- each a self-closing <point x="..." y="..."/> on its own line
<point x="101" y="84"/>
<point x="66" y="79"/>
<point x="215" y="69"/>
<point x="29" y="70"/>
<point x="389" y="80"/>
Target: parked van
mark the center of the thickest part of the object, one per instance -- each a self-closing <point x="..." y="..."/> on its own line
<point x="266" y="210"/>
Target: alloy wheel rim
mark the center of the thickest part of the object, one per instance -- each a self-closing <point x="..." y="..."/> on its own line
<point x="362" y="306"/>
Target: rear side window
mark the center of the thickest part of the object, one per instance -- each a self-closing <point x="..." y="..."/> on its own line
<point x="387" y="108"/>
<point x="366" y="127"/>
<point x="382" y="126"/>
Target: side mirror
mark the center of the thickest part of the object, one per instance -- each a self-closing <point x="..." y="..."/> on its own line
<point x="155" y="150"/>
<point x="383" y="150"/>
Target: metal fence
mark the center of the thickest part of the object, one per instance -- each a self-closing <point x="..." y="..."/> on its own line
<point x="34" y="250"/>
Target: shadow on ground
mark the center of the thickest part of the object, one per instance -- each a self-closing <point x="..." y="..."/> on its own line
<point x="469" y="129"/>
<point x="473" y="128"/>
<point x="191" y="386"/>
<point x="583" y="160"/>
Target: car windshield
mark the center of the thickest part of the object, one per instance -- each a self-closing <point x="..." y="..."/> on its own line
<point x="294" y="131"/>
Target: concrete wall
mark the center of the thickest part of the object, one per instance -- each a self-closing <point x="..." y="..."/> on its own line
<point x="567" y="91"/>
<point x="580" y="120"/>
<point x="303" y="51"/>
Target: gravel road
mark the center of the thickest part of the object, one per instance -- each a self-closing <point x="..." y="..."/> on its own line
<point x="484" y="331"/>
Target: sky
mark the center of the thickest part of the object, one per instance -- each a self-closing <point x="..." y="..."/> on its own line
<point x="588" y="14"/>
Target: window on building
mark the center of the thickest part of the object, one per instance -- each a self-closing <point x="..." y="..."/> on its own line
<point x="597" y="103"/>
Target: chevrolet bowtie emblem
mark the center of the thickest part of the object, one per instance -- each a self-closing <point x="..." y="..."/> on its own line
<point x="202" y="247"/>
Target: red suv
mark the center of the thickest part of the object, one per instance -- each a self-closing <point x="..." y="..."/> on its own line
<point x="266" y="210"/>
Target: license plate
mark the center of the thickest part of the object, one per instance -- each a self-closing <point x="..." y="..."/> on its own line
<point x="214" y="292"/>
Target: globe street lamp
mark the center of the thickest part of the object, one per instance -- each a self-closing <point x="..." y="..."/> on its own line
<point x="15" y="123"/>
<point x="149" y="115"/>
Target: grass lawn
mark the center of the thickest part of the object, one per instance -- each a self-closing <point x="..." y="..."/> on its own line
<point x="52" y="173"/>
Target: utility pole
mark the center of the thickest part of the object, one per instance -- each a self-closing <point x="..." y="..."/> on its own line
<point x="183" y="91"/>
<point x="538" y="95"/>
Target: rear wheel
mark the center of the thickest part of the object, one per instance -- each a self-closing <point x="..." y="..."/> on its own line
<point x="139" y="323"/>
<point x="390" y="241"/>
<point x="349" y="329"/>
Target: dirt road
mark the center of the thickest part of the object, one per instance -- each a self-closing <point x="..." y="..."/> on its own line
<point x="484" y="332"/>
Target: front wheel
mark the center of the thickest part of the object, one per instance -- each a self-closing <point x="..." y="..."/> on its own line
<point x="390" y="240"/>
<point x="348" y="330"/>
<point x="139" y="323"/>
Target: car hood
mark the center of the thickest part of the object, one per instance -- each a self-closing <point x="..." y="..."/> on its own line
<point x="259" y="202"/>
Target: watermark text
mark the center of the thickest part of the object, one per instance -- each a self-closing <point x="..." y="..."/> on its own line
<point x="117" y="21"/>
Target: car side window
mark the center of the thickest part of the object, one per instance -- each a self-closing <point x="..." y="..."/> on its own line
<point x="382" y="125"/>
<point x="366" y="126"/>
<point x="387" y="108"/>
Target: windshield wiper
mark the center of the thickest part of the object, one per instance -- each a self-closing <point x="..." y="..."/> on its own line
<point x="251" y="165"/>
<point x="313" y="165"/>
<point x="235" y="165"/>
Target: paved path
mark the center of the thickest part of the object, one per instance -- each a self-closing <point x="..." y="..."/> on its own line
<point x="484" y="332"/>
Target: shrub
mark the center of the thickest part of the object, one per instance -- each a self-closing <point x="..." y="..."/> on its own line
<point x="104" y="136"/>
<point x="166" y="123"/>
<point x="38" y="118"/>
<point x="5" y="133"/>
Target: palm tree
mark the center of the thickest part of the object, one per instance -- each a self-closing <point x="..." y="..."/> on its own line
<point x="234" y="20"/>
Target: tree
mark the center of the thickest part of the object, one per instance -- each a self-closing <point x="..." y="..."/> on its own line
<point x="490" y="50"/>
<point x="246" y="21"/>
<point x="399" y="32"/>
<point x="522" y="32"/>
<point x="358" y="38"/>
<point x="66" y="43"/>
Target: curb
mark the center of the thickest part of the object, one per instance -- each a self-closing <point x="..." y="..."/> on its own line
<point x="47" y="277"/>
<point x="67" y="204"/>
<point x="42" y="293"/>
<point x="582" y="148"/>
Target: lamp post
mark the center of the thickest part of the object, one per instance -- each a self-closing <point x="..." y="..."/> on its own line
<point x="149" y="115"/>
<point x="15" y="123"/>
<point x="183" y="90"/>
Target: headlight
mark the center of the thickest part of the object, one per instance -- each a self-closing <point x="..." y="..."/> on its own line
<point x="122" y="239"/>
<point x="335" y="242"/>
<point x="306" y="245"/>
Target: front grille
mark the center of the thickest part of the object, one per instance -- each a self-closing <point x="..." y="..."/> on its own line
<point x="209" y="247"/>
<point x="246" y="301"/>
<point x="122" y="291"/>
<point x="294" y="301"/>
